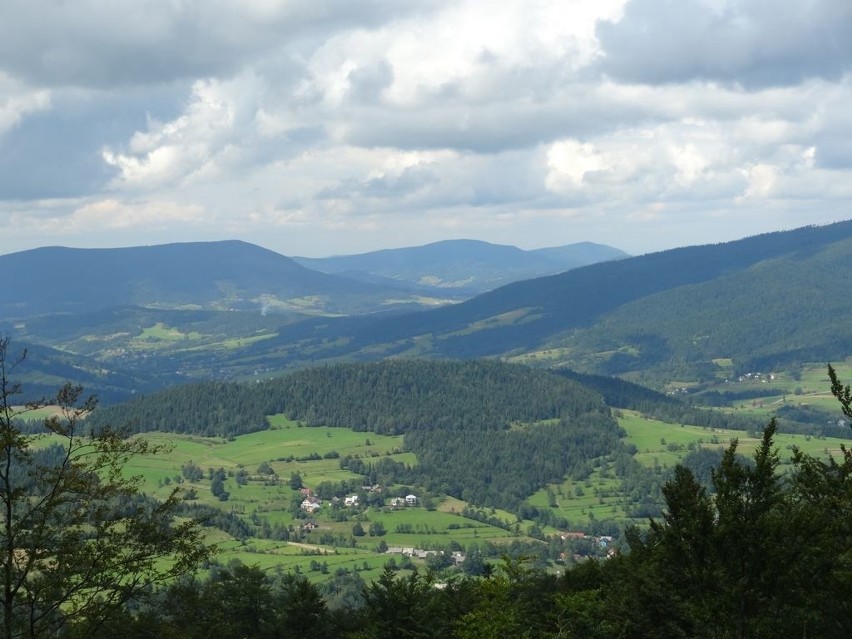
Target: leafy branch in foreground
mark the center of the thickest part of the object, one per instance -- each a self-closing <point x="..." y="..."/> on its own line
<point x="77" y="539"/>
<point x="841" y="392"/>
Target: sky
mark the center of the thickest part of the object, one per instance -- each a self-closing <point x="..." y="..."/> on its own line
<point x="328" y="127"/>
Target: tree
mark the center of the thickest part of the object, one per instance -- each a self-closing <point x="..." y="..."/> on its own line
<point x="78" y="539"/>
<point x="765" y="557"/>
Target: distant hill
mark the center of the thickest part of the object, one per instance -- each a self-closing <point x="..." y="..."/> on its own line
<point x="461" y="267"/>
<point x="688" y="314"/>
<point x="44" y="370"/>
<point x="766" y="300"/>
<point x="204" y="275"/>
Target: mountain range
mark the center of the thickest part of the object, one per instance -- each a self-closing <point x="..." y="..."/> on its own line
<point x="685" y="315"/>
<point x="461" y="267"/>
<point x="234" y="275"/>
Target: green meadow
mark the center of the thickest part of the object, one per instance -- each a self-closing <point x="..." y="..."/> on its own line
<point x="657" y="442"/>
<point x="290" y="448"/>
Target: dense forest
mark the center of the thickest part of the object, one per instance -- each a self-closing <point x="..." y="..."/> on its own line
<point x="484" y="431"/>
<point x="390" y="397"/>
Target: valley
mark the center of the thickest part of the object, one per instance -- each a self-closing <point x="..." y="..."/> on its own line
<point x="542" y="428"/>
<point x="317" y="454"/>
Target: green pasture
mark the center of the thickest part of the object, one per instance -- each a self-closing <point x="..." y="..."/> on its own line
<point x="659" y="445"/>
<point x="231" y="343"/>
<point x="597" y="497"/>
<point x="160" y="335"/>
<point x="419" y="528"/>
<point x="283" y="440"/>
<point x="652" y="439"/>
<point x="299" y="558"/>
<point x="808" y="384"/>
<point x="36" y="414"/>
<point x="404" y="527"/>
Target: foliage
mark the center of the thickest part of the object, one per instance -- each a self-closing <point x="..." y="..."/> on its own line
<point x="769" y="556"/>
<point x="76" y="542"/>
<point x="210" y="408"/>
<point x="765" y="558"/>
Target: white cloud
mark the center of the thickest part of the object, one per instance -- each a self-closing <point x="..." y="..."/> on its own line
<point x="111" y="214"/>
<point x="761" y="180"/>
<point x="326" y="122"/>
<point x="17" y="101"/>
<point x="205" y="140"/>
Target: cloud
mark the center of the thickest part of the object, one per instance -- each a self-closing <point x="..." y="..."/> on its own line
<point x="110" y="215"/>
<point x="753" y="43"/>
<point x="89" y="43"/>
<point x="325" y="122"/>
<point x="223" y="129"/>
<point x="17" y="100"/>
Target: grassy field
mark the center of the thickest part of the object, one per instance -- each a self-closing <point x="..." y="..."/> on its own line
<point x="655" y="440"/>
<point x="36" y="414"/>
<point x="581" y="501"/>
<point x="282" y="447"/>
<point x="663" y="445"/>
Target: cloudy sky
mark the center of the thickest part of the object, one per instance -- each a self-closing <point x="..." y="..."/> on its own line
<point x="318" y="127"/>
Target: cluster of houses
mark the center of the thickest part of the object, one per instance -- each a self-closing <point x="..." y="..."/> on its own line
<point x="418" y="553"/>
<point x="603" y="542"/>
<point x="756" y="377"/>
<point x="311" y="504"/>
<point x="400" y="502"/>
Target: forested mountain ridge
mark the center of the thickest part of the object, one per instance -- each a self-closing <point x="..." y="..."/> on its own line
<point x="212" y="275"/>
<point x="462" y="267"/>
<point x="579" y="297"/>
<point x="773" y="314"/>
<point x="654" y="311"/>
<point x="392" y="397"/>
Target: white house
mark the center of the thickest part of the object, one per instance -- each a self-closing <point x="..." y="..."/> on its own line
<point x="310" y="505"/>
<point x="411" y="500"/>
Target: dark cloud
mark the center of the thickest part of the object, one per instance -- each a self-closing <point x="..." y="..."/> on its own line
<point x="754" y="43"/>
<point x="125" y="42"/>
<point x="57" y="153"/>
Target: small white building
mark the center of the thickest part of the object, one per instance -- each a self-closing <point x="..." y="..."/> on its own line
<point x="310" y="505"/>
<point x="352" y="500"/>
<point x="411" y="500"/>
